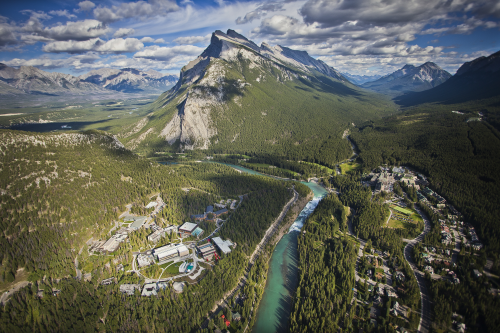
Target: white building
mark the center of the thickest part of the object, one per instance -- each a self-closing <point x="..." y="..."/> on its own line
<point x="129" y="289"/>
<point x="222" y="245"/>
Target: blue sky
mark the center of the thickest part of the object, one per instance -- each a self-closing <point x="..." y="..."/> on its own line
<point x="363" y="37"/>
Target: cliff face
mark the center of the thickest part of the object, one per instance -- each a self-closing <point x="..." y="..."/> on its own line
<point x="218" y="96"/>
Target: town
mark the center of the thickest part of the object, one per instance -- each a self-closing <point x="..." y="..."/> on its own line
<point x="411" y="203"/>
<point x="176" y="254"/>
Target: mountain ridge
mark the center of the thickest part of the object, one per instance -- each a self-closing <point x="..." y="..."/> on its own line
<point x="409" y="79"/>
<point x="130" y="79"/>
<point x="474" y="80"/>
<point x="237" y="96"/>
<point x="31" y="80"/>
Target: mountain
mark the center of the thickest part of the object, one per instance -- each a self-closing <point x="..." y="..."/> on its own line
<point x="475" y="80"/>
<point x="130" y="80"/>
<point x="360" y="79"/>
<point x="408" y="79"/>
<point x="31" y="80"/>
<point x="238" y="96"/>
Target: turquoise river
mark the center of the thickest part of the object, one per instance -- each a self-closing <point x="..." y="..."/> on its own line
<point x="274" y="311"/>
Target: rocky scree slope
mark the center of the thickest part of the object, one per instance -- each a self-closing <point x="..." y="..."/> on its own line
<point x="237" y="96"/>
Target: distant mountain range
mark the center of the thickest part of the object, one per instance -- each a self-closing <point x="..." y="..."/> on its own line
<point x="409" y="79"/>
<point x="474" y="80"/>
<point x="238" y="96"/>
<point x="31" y="80"/>
<point x="360" y="79"/>
<point x="130" y="80"/>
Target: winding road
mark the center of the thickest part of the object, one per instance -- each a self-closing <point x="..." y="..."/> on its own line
<point x="425" y="310"/>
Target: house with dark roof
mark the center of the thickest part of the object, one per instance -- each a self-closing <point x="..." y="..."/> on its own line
<point x="220" y="212"/>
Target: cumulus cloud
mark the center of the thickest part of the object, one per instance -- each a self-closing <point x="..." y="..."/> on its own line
<point x="167" y="53"/>
<point x="117" y="45"/>
<point x="160" y="41"/>
<point x="85" y="6"/>
<point x="139" y="9"/>
<point x="79" y="30"/>
<point x="260" y="11"/>
<point x="7" y="36"/>
<point x="147" y="40"/>
<point x="122" y="32"/>
<point x="192" y="39"/>
<point x="62" y="13"/>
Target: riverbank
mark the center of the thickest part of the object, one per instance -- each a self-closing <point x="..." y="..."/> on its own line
<point x="292" y="216"/>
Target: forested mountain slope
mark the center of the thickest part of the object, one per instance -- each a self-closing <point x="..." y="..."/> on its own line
<point x="474" y="80"/>
<point x="58" y="190"/>
<point x="239" y="97"/>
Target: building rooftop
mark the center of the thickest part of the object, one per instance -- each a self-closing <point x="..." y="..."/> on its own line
<point x="188" y="227"/>
<point x="222" y="245"/>
<point x="197" y="232"/>
<point x="138" y="222"/>
<point x="150" y="289"/>
<point x="222" y="211"/>
<point x="129" y="289"/>
<point x="210" y="209"/>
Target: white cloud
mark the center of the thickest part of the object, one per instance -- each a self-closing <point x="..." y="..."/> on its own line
<point x="79" y="30"/>
<point x="79" y="62"/>
<point x="7" y="33"/>
<point x="155" y="52"/>
<point x="122" y="32"/>
<point x="192" y="39"/>
<point x="85" y="5"/>
<point x="160" y="41"/>
<point x="62" y="13"/>
<point x="260" y="11"/>
<point x="139" y="9"/>
<point x="147" y="40"/>
<point x="117" y="45"/>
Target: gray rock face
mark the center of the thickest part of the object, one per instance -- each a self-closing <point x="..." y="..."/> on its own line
<point x="31" y="80"/>
<point x="203" y="83"/>
<point x="409" y="79"/>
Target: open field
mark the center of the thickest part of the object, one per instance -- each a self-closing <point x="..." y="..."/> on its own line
<point x="319" y="165"/>
<point x="396" y="224"/>
<point x="349" y="166"/>
<point x="403" y="210"/>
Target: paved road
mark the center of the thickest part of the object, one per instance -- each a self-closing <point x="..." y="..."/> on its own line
<point x="425" y="315"/>
<point x="269" y="233"/>
<point x="5" y="296"/>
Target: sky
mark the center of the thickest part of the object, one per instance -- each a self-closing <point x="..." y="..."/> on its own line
<point x="361" y="37"/>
